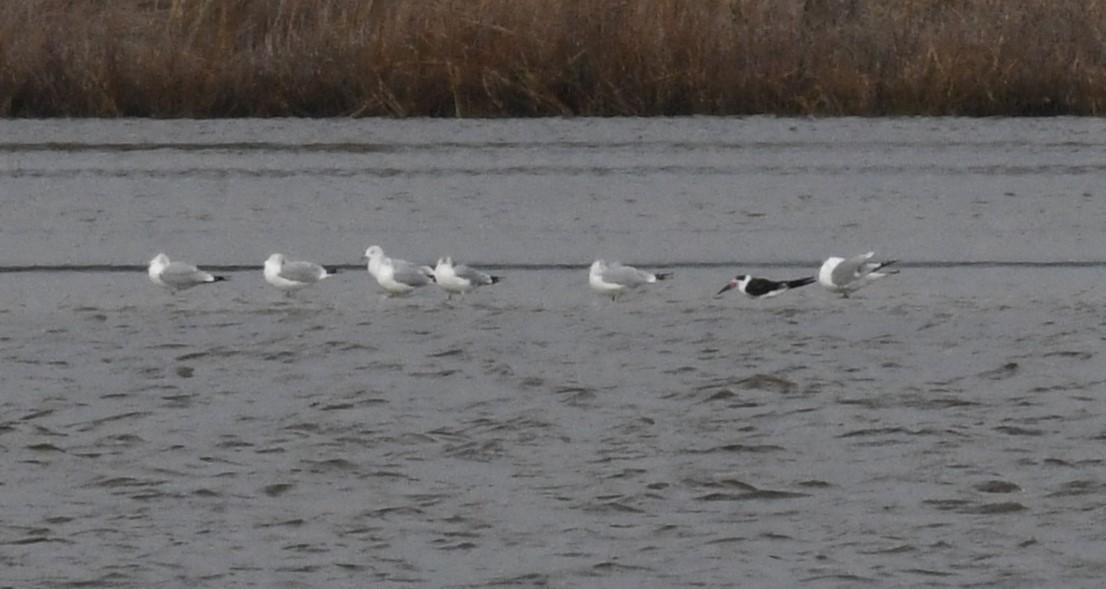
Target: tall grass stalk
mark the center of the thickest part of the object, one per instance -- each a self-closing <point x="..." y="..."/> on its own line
<point x="486" y="58"/>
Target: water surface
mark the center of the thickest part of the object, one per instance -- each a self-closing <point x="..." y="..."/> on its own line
<point x="942" y="428"/>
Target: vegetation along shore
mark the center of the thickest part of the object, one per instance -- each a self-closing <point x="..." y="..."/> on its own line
<point x="498" y="58"/>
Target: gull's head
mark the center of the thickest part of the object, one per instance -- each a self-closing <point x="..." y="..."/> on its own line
<point x="443" y="262"/>
<point x="598" y="266"/>
<point x="275" y="259"/>
<point x="374" y="251"/>
<point x="159" y="261"/>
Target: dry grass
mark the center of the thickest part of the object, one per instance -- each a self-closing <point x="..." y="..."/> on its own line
<point x="477" y="58"/>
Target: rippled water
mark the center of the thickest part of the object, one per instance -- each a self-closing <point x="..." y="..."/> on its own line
<point x="941" y="428"/>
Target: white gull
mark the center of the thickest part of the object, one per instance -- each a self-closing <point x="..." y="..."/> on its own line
<point x="459" y="279"/>
<point x="842" y="276"/>
<point x="613" y="279"/>
<point x="397" y="277"/>
<point x="291" y="276"/>
<point x="177" y="276"/>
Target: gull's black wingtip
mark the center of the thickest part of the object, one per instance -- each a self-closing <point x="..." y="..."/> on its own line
<point x="883" y="265"/>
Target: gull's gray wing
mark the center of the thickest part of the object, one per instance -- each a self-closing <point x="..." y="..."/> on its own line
<point x="181" y="274"/>
<point x="625" y="275"/>
<point x="474" y="276"/>
<point x="302" y="272"/>
<point x="409" y="274"/>
<point x="851" y="269"/>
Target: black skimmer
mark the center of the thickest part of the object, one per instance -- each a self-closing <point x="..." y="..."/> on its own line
<point x="762" y="287"/>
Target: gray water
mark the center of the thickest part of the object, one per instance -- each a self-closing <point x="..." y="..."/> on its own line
<point x="941" y="428"/>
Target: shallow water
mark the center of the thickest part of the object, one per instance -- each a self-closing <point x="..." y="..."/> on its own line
<point x="941" y="428"/>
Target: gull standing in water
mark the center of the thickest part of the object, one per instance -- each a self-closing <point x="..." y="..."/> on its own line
<point x="396" y="277"/>
<point x="459" y="279"/>
<point x="842" y="276"/>
<point x="613" y="279"/>
<point x="291" y="276"/>
<point x="762" y="287"/>
<point x="178" y="276"/>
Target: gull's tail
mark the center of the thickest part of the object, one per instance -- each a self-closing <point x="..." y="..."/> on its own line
<point x="663" y="275"/>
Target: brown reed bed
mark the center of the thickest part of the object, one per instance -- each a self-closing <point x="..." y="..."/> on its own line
<point x="489" y="58"/>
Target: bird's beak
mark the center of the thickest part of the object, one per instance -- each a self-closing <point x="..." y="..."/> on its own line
<point x="731" y="284"/>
